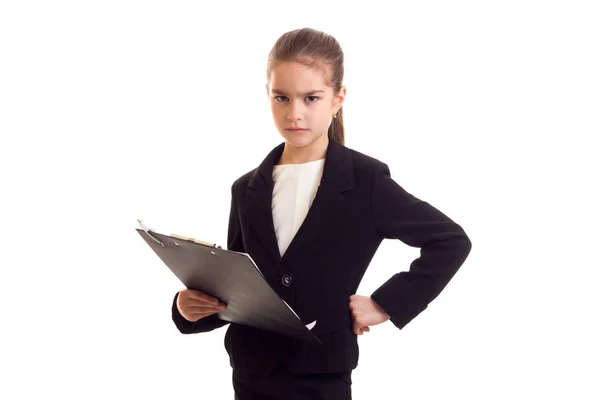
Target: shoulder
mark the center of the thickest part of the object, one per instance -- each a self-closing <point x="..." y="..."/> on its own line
<point x="243" y="180"/>
<point x="366" y="164"/>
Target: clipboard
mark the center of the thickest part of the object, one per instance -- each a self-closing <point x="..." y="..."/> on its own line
<point x="233" y="278"/>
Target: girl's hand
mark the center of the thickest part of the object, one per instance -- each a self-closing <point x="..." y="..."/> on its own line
<point x="365" y="313"/>
<point x="194" y="305"/>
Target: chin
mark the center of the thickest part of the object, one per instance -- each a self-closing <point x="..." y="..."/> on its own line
<point x="297" y="141"/>
<point x="301" y="140"/>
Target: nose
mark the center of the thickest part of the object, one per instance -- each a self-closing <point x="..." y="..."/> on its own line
<point x="295" y="111"/>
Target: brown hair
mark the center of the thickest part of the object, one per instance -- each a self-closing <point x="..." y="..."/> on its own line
<point x="314" y="49"/>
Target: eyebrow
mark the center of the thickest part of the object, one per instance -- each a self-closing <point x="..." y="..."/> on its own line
<point x="281" y="92"/>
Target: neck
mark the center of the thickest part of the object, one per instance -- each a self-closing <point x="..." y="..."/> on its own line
<point x="299" y="155"/>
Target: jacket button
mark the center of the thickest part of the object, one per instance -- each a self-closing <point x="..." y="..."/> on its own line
<point x="286" y="279"/>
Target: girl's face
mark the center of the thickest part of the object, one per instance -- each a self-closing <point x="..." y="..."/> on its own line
<point x="302" y="104"/>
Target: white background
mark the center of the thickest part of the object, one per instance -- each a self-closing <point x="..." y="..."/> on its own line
<point x="115" y="110"/>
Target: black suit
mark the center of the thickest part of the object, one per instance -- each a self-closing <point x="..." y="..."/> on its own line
<point x="357" y="206"/>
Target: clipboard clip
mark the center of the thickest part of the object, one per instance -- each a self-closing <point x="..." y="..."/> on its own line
<point x="148" y="233"/>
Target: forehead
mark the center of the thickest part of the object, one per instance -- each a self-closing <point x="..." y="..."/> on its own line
<point x="293" y="76"/>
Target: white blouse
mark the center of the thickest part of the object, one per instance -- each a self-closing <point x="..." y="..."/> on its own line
<point x="294" y="189"/>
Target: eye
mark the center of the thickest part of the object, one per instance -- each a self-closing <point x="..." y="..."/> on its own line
<point x="310" y="99"/>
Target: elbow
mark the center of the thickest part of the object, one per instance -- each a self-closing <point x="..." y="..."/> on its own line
<point x="466" y="243"/>
<point x="463" y="246"/>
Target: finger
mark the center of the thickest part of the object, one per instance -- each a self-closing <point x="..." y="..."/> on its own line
<point x="203" y="307"/>
<point x="196" y="295"/>
<point x="356" y="328"/>
<point x="203" y="297"/>
<point x="193" y="317"/>
<point x="196" y="316"/>
<point x="203" y="312"/>
<point x="198" y="302"/>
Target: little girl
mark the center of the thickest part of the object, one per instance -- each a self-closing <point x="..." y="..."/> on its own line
<point x="312" y="216"/>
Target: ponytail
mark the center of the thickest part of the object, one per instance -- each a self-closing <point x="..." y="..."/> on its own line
<point x="336" y="129"/>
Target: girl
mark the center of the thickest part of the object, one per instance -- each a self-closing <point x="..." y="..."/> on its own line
<point x="312" y="216"/>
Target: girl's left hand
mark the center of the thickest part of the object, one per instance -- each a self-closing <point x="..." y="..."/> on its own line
<point x="365" y="313"/>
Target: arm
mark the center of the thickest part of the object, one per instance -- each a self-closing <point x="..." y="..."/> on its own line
<point x="444" y="248"/>
<point x="212" y="322"/>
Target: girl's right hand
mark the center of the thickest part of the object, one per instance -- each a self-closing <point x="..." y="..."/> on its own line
<point x="194" y="305"/>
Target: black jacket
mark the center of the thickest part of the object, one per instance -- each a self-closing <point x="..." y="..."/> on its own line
<point x="357" y="205"/>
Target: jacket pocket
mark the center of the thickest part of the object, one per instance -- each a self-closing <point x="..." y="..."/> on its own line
<point x="332" y="322"/>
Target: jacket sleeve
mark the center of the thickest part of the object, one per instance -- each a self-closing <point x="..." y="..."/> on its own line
<point x="235" y="243"/>
<point x="444" y="248"/>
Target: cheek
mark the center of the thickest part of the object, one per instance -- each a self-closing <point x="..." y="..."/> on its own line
<point x="324" y="116"/>
<point x="277" y="112"/>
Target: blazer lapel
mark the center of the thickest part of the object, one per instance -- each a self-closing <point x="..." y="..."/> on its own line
<point x="329" y="205"/>
<point x="259" y="195"/>
<point x="325" y="212"/>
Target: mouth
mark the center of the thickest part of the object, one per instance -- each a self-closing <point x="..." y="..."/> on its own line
<point x="296" y="129"/>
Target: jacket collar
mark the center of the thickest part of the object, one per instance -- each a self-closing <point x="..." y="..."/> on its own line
<point x="337" y="178"/>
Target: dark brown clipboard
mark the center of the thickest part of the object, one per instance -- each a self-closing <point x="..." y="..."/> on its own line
<point x="233" y="278"/>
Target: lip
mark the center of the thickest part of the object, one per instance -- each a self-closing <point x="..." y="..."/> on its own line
<point x="296" y="129"/>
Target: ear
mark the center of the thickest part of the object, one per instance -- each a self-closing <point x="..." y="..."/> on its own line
<point x="338" y="99"/>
